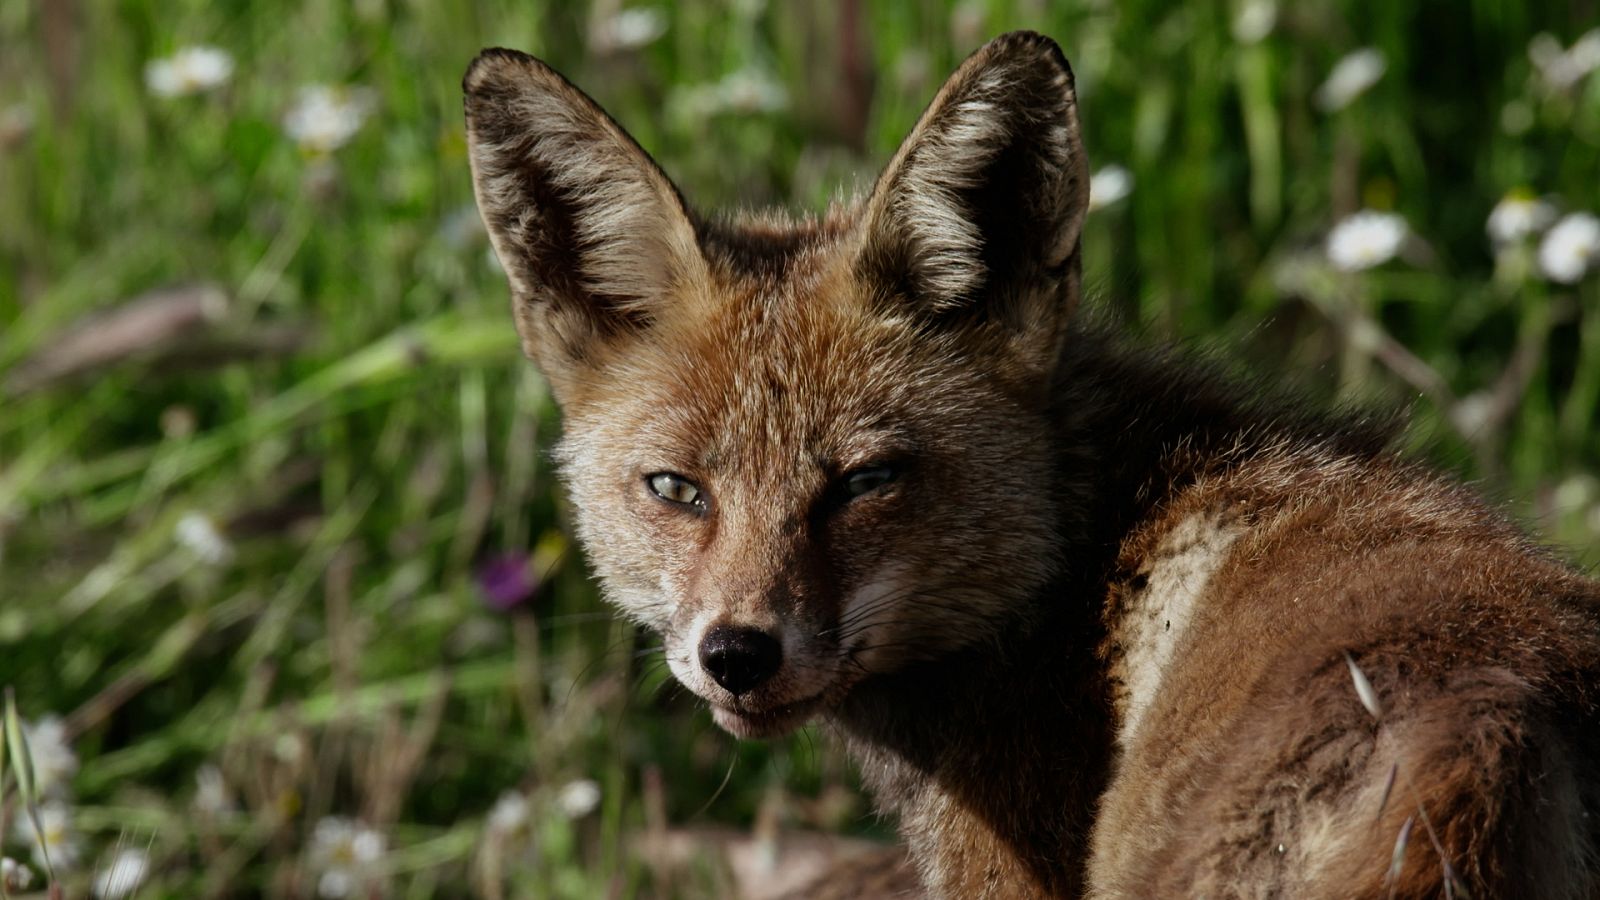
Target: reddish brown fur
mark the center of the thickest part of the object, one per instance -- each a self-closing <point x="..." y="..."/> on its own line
<point x="1092" y="638"/>
<point x="1472" y="637"/>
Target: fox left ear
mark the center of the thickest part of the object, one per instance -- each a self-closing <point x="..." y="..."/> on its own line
<point x="979" y="212"/>
<point x="592" y="235"/>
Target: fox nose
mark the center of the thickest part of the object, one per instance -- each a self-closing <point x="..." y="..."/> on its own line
<point x="740" y="659"/>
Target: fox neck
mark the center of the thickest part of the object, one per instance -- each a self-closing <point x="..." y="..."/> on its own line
<point x="994" y="757"/>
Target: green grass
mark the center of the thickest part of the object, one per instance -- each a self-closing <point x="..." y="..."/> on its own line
<point x="358" y="422"/>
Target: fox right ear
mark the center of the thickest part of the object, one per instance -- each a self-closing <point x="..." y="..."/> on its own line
<point x="591" y="234"/>
<point x="977" y="217"/>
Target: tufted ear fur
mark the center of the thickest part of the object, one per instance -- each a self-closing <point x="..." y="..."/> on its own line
<point x="592" y="235"/>
<point x="978" y="214"/>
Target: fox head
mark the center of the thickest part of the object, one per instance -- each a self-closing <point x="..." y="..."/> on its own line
<point x="807" y="453"/>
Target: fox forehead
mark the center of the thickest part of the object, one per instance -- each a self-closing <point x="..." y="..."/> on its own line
<point x="763" y="371"/>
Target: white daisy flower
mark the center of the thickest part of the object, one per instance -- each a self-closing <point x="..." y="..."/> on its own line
<point x="1518" y="216"/>
<point x="199" y="534"/>
<point x="325" y="118"/>
<point x="629" y="29"/>
<point x="1544" y="50"/>
<point x="1570" y="247"/>
<point x="1574" y="492"/>
<point x="16" y="123"/>
<point x="348" y="855"/>
<point x="1366" y="239"/>
<point x="54" y="763"/>
<point x="967" y="28"/>
<point x="578" y="798"/>
<point x="1107" y="186"/>
<point x="912" y="70"/>
<point x="1585" y="51"/>
<point x="14" y="876"/>
<point x="54" y="835"/>
<point x="1516" y="117"/>
<point x="510" y="814"/>
<point x="126" y="872"/>
<point x="752" y="90"/>
<point x="188" y="71"/>
<point x="1562" y="69"/>
<point x="291" y="749"/>
<point x="1254" y="20"/>
<point x="1471" y="413"/>
<point x="744" y="91"/>
<point x="211" y="792"/>
<point x="1350" y="78"/>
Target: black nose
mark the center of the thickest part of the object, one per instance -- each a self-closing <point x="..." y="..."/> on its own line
<point x="740" y="659"/>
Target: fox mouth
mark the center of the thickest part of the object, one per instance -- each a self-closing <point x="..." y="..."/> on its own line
<point x="765" y="723"/>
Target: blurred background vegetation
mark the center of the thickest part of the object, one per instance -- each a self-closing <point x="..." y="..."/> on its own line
<point x="283" y="588"/>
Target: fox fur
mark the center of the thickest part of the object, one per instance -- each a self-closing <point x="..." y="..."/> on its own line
<point x="1093" y="621"/>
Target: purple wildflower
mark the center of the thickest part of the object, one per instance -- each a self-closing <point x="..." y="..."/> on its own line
<point x="506" y="581"/>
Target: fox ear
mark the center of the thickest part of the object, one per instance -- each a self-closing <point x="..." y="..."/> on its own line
<point x="592" y="235"/>
<point x="980" y="210"/>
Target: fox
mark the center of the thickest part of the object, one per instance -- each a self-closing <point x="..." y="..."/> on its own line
<point x="1094" y="617"/>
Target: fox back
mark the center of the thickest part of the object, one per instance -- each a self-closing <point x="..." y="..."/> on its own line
<point x="870" y="466"/>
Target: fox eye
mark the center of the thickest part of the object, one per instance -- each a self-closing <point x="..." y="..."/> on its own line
<point x="867" y="480"/>
<point x="675" y="489"/>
